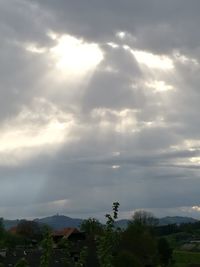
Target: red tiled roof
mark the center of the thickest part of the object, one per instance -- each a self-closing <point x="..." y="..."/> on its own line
<point x="66" y="232"/>
<point x="13" y="230"/>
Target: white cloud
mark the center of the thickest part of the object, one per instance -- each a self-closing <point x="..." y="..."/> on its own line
<point x="122" y="121"/>
<point x="121" y="35"/>
<point x="74" y="56"/>
<point x="159" y="86"/>
<point x="32" y="130"/>
<point x="34" y="48"/>
<point x="153" y="61"/>
<point x="196" y="208"/>
<point x="113" y="45"/>
<point x="116" y="166"/>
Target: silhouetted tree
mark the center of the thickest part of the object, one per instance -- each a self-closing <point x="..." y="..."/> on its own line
<point x="125" y="258"/>
<point x="144" y="218"/>
<point x="92" y="227"/>
<point x="65" y="244"/>
<point x="139" y="239"/>
<point x="2" y="233"/>
<point x="165" y="252"/>
<point x="22" y="263"/>
<point x="82" y="257"/>
<point x="29" y="229"/>
<point x="47" y="246"/>
<point x="108" y="242"/>
<point x="2" y="229"/>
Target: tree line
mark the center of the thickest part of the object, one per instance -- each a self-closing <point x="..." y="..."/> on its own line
<point x="141" y="244"/>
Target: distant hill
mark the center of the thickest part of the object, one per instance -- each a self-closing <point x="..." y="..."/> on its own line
<point x="10" y="223"/>
<point x="60" y="221"/>
<point x="122" y="223"/>
<point x="176" y="220"/>
<point x="56" y="222"/>
<point x="161" y="221"/>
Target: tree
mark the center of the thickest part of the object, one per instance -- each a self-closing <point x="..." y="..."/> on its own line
<point x="92" y="227"/>
<point x="108" y="242"/>
<point x="2" y="233"/>
<point x="144" y="218"/>
<point x="125" y="258"/>
<point x="65" y="244"/>
<point x="22" y="263"/>
<point x="139" y="239"/>
<point x="47" y="245"/>
<point x="82" y="258"/>
<point x="2" y="229"/>
<point x="165" y="252"/>
<point x="12" y="240"/>
<point x="8" y="239"/>
<point x="29" y="229"/>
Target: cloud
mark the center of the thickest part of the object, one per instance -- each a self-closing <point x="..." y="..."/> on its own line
<point x="99" y="101"/>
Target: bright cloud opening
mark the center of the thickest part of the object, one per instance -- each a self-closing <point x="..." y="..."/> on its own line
<point x="113" y="45"/>
<point x="195" y="160"/>
<point x="152" y="60"/>
<point x="74" y="56"/>
<point x="196" y="208"/>
<point x="159" y="86"/>
<point x="34" y="48"/>
<point x="121" y="35"/>
<point x="122" y="121"/>
<point x="32" y="136"/>
<point x="115" y="167"/>
<point x="46" y="125"/>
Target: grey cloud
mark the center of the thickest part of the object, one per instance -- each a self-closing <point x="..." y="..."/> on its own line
<point x="108" y="89"/>
<point x="158" y="25"/>
<point x="19" y="23"/>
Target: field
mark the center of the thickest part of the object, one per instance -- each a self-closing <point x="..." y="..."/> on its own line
<point x="183" y="258"/>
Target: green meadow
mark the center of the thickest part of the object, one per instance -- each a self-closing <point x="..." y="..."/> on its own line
<point x="183" y="258"/>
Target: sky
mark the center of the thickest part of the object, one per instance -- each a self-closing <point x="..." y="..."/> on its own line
<point x="99" y="102"/>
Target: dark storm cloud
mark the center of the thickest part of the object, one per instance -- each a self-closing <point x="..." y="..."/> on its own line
<point x="159" y="25"/>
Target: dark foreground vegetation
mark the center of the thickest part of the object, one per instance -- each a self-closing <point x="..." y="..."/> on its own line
<point x="142" y="244"/>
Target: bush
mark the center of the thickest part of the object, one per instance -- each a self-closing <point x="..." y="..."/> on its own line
<point x="22" y="263"/>
<point x="127" y="259"/>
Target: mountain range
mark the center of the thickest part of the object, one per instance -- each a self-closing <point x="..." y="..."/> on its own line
<point x="161" y="221"/>
<point x="60" y="221"/>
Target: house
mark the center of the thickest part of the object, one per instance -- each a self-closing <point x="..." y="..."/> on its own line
<point x="70" y="233"/>
<point x="33" y="257"/>
<point x="3" y="252"/>
<point x="77" y="240"/>
<point x="13" y="230"/>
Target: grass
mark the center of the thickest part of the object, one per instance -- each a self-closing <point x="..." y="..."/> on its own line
<point x="184" y="258"/>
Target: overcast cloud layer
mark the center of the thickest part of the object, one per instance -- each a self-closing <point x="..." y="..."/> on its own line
<point x="99" y="102"/>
